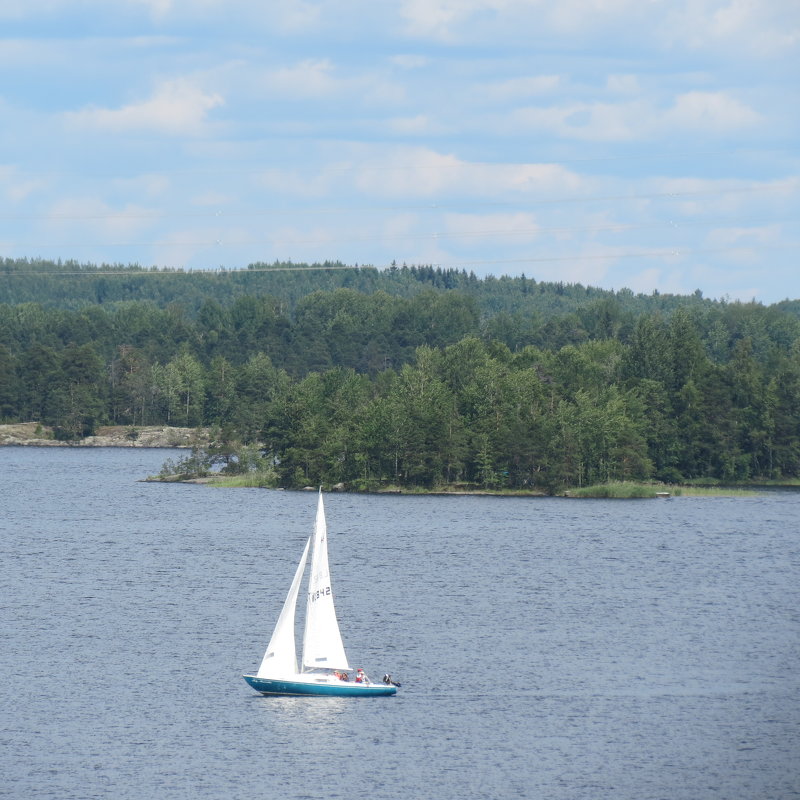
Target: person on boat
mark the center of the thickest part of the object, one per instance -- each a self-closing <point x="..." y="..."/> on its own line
<point x="360" y="676"/>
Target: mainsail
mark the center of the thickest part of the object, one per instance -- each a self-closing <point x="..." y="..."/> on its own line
<point x="280" y="660"/>
<point x="322" y="641"/>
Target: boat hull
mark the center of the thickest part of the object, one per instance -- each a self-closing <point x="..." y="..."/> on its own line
<point x="323" y="688"/>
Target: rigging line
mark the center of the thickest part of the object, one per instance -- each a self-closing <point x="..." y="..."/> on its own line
<point x="300" y="211"/>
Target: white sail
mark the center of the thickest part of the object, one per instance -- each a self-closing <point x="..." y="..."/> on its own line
<point x="280" y="660"/>
<point x="322" y="642"/>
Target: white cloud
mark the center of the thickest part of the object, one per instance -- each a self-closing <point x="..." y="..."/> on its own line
<point x="436" y="18"/>
<point x="470" y="228"/>
<point x="16" y="9"/>
<point x="399" y="225"/>
<point x="644" y="281"/>
<point x="319" y="79"/>
<point x="95" y="220"/>
<point x="23" y="53"/>
<point x="310" y="78"/>
<point x="733" y="236"/>
<point x="520" y="87"/>
<point x="541" y="179"/>
<point x="588" y="268"/>
<point x="212" y="198"/>
<point x="306" y="236"/>
<point x="153" y="185"/>
<point x="16" y="187"/>
<point x="414" y="126"/>
<point x="763" y="28"/>
<point x="315" y="117"/>
<point x="447" y="19"/>
<point x="718" y="280"/>
<point x="296" y="15"/>
<point x="717" y="111"/>
<point x="410" y="61"/>
<point x="600" y="122"/>
<point x="421" y="172"/>
<point x="702" y="197"/>
<point x="157" y="8"/>
<point x="408" y="172"/>
<point x="177" y="248"/>
<point x="298" y="183"/>
<point x="177" y="107"/>
<point x="579" y="15"/>
<point x="286" y="16"/>
<point x="695" y="112"/>
<point x="623" y="84"/>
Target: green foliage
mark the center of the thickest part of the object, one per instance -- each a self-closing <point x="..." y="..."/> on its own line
<point x="249" y="480"/>
<point x="195" y="465"/>
<point x="410" y="377"/>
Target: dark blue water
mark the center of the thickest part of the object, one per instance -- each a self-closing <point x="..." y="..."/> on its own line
<point x="547" y="648"/>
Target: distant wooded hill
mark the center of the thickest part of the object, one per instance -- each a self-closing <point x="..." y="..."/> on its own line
<point x="414" y="375"/>
<point x="72" y="285"/>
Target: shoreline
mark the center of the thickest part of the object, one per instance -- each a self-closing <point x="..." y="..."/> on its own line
<point x="34" y="434"/>
<point x="634" y="491"/>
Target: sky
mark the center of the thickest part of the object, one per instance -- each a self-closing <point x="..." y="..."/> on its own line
<point x="643" y="144"/>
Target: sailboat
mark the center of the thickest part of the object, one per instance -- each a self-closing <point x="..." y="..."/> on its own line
<point x="324" y="668"/>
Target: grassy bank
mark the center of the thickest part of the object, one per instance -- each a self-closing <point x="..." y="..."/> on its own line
<point x="717" y="491"/>
<point x="248" y="480"/>
<point x="624" y="490"/>
<point x="629" y="490"/>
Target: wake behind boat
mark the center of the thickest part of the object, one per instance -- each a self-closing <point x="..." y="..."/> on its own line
<point x="325" y="669"/>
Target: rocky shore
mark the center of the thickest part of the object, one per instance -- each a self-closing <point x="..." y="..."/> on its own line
<point x="33" y="434"/>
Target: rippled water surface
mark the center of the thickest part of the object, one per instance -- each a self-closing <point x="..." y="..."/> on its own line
<point x="547" y="648"/>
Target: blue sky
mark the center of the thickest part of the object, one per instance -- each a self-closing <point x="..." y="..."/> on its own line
<point x="647" y="144"/>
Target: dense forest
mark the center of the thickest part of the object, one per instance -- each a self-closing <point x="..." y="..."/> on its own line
<point x="411" y="375"/>
<point x="71" y="285"/>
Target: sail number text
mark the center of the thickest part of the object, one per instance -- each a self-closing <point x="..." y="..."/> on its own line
<point x="314" y="596"/>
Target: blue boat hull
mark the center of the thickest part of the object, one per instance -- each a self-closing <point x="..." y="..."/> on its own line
<point x="271" y="686"/>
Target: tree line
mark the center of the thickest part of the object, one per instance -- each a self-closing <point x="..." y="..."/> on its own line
<point x="429" y="388"/>
<point x="73" y="285"/>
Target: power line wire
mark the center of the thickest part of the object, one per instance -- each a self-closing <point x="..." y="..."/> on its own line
<point x="522" y="203"/>
<point x="431" y="236"/>
<point x="255" y="169"/>
<point x="655" y="253"/>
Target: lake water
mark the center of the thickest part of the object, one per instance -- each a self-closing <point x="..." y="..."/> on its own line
<point x="547" y="648"/>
